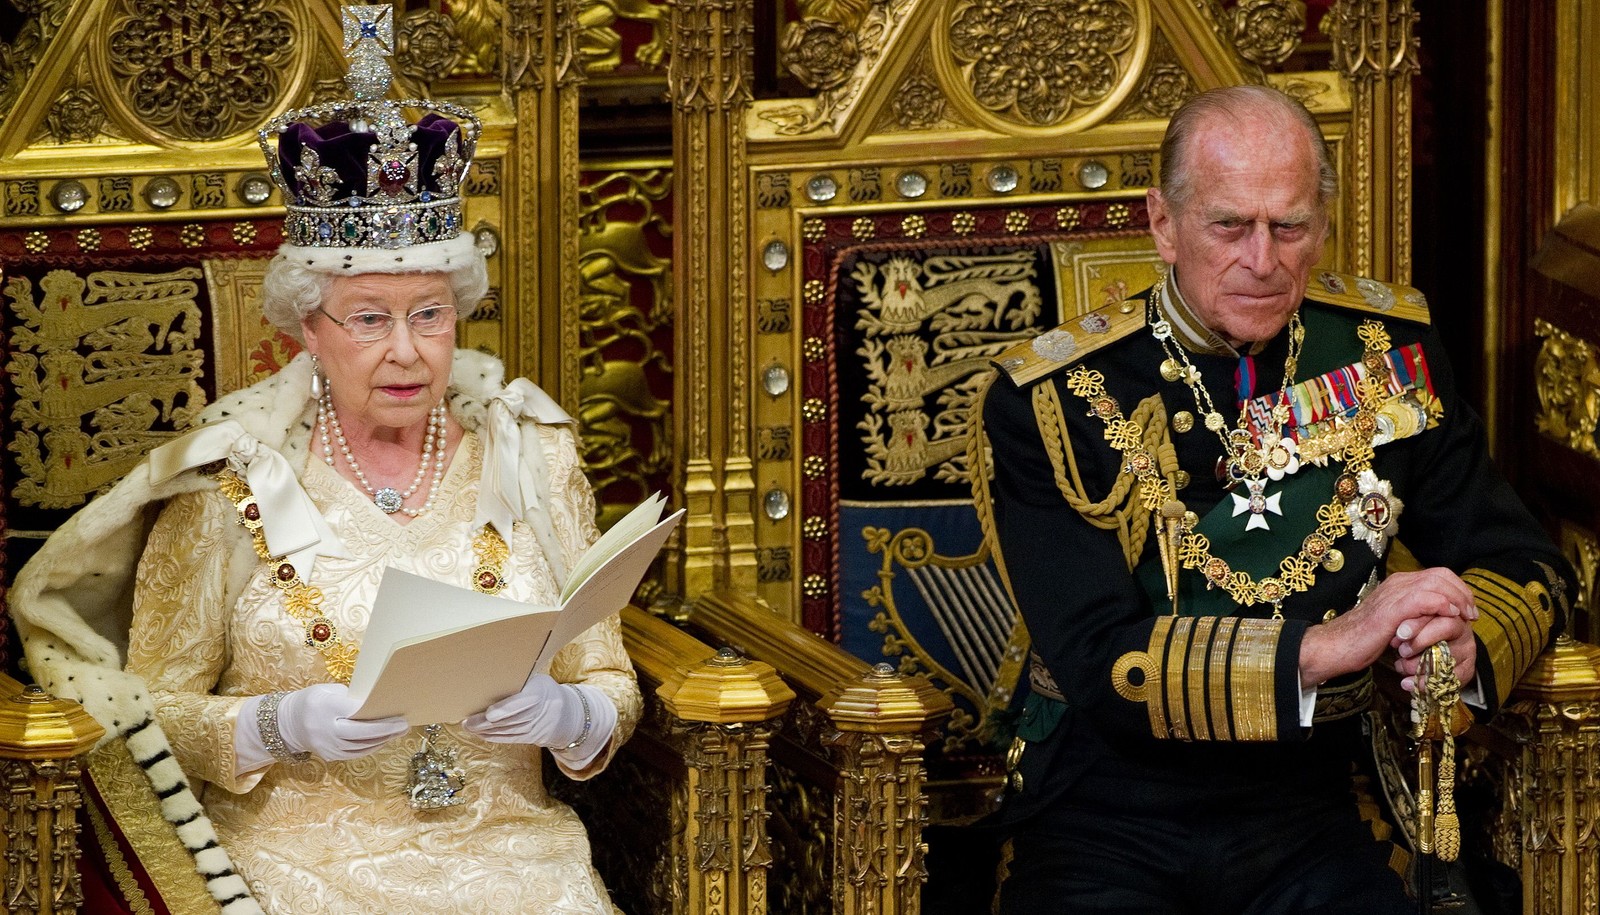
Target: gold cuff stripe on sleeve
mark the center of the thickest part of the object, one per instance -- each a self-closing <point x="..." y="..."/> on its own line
<point x="1217" y="676"/>
<point x="1254" y="698"/>
<point x="1507" y="598"/>
<point x="1504" y="609"/>
<point x="1513" y="624"/>
<point x="1172" y="665"/>
<point x="1196" y="681"/>
<point x="1155" y="683"/>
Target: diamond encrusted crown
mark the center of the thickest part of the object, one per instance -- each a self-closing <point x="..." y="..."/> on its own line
<point x="360" y="173"/>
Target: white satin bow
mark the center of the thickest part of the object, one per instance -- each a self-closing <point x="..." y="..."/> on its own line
<point x="294" y="528"/>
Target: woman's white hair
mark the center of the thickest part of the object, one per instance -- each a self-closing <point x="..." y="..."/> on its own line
<point x="298" y="277"/>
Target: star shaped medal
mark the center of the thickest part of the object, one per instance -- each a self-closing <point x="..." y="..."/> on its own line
<point x="1258" y="504"/>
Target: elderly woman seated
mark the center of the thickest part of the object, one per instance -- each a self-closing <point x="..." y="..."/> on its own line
<point x="379" y="446"/>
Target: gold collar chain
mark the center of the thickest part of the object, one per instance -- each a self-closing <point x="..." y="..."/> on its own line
<point x="1297" y="571"/>
<point x="304" y="601"/>
<point x="1246" y="459"/>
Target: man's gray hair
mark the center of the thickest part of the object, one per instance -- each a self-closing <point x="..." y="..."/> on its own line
<point x="291" y="291"/>
<point x="1231" y="101"/>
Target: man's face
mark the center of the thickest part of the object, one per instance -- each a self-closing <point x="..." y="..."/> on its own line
<point x="1246" y="240"/>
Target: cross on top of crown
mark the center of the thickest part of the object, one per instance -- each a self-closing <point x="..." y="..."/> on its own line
<point x="368" y="39"/>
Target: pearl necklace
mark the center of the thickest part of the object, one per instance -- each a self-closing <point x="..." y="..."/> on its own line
<point x="387" y="498"/>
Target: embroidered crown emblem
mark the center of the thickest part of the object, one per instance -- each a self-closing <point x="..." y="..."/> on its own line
<point x="368" y="172"/>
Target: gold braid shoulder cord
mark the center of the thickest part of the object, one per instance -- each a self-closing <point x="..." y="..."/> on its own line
<point x="1297" y="571"/>
<point x="1109" y="513"/>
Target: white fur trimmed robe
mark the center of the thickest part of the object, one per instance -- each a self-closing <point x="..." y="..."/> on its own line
<point x="207" y="637"/>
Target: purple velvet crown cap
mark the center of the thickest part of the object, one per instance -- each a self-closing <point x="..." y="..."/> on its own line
<point x="346" y="152"/>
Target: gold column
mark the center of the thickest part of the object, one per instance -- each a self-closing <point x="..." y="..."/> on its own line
<point x="709" y="78"/>
<point x="543" y="75"/>
<point x="711" y="717"/>
<point x="1375" y="47"/>
<point x="880" y="809"/>
<point x="40" y="740"/>
<point x="1553" y="808"/>
<point x="869" y="726"/>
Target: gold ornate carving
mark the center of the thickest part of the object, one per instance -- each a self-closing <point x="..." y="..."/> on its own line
<point x="1266" y="32"/>
<point x="1042" y="66"/>
<point x="601" y="45"/>
<point x="880" y="807"/>
<point x="1164" y="86"/>
<point x="1375" y="46"/>
<point x="477" y="24"/>
<point x="918" y="103"/>
<point x="200" y="69"/>
<point x="800" y="836"/>
<point x="525" y="51"/>
<point x="76" y="117"/>
<point x="709" y="718"/>
<point x="1582" y="549"/>
<point x="870" y="37"/>
<point x="426" y="45"/>
<point x="96" y="363"/>
<point x="1566" y="376"/>
<point x="820" y="53"/>
<point x="1555" y="809"/>
<point x="627" y="433"/>
<point x="40" y="738"/>
<point x="38" y="23"/>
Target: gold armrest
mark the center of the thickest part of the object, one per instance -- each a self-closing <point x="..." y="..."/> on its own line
<point x="41" y="740"/>
<point x="848" y="780"/>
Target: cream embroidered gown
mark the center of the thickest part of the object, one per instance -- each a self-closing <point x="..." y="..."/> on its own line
<point x="341" y="837"/>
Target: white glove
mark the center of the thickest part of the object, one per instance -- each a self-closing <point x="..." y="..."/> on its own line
<point x="569" y="718"/>
<point x="316" y="720"/>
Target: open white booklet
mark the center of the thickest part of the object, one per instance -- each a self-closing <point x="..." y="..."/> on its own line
<point x="434" y="652"/>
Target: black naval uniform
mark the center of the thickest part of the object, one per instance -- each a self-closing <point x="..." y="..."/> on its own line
<point x="1165" y="765"/>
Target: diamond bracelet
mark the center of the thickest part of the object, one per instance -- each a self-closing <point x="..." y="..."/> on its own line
<point x="267" y="724"/>
<point x="588" y="720"/>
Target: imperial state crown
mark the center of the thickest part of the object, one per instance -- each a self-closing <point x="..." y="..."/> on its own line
<point x="368" y="172"/>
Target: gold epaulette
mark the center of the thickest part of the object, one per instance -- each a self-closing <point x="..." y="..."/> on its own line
<point x="1033" y="359"/>
<point x="1363" y="294"/>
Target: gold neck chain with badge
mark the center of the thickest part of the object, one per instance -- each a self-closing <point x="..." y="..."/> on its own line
<point x="304" y="601"/>
<point x="1181" y="544"/>
<point x="1244" y="459"/>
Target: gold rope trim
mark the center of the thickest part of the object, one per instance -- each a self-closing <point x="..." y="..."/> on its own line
<point x="127" y="884"/>
<point x="1117" y="510"/>
<point x="132" y="804"/>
